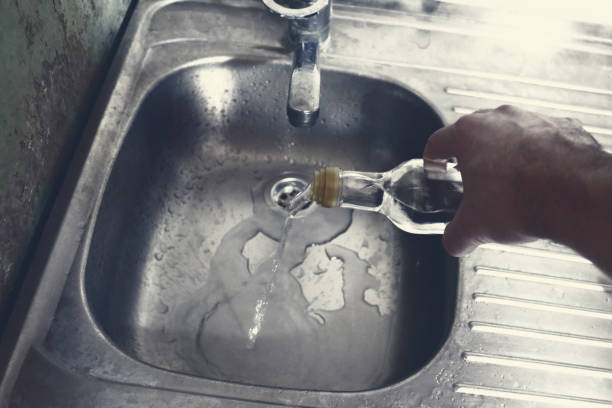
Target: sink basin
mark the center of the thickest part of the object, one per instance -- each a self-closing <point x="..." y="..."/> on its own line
<point x="191" y="218"/>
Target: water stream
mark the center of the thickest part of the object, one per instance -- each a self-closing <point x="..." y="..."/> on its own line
<point x="294" y="207"/>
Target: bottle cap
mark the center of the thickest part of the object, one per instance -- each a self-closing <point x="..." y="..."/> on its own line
<point x="326" y="187"/>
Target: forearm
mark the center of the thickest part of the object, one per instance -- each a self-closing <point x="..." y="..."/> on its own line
<point x="580" y="212"/>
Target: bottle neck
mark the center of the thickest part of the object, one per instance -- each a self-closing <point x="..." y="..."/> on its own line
<point x="361" y="190"/>
<point x="408" y="184"/>
<point x="406" y="195"/>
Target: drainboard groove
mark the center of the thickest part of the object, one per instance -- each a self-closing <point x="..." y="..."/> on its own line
<point x="542" y="306"/>
<point x="476" y="74"/>
<point x="598" y="130"/>
<point x="358" y="14"/>
<point x="528" y="101"/>
<point x="541" y="253"/>
<point x="542" y="278"/>
<point x="519" y="362"/>
<point x="559" y="399"/>
<point x="536" y="334"/>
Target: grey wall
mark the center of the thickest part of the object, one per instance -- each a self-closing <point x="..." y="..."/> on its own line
<point x="53" y="56"/>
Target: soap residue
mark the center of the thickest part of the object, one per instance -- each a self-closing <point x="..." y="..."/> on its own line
<point x="321" y="280"/>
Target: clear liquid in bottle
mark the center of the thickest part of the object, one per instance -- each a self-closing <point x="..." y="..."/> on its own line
<point x="414" y="199"/>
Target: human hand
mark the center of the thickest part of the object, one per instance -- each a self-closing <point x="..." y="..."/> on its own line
<point x="517" y="169"/>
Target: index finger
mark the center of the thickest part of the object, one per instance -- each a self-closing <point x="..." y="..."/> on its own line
<point x="441" y="144"/>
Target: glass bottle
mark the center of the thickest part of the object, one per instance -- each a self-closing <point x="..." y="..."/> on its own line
<point x="415" y="199"/>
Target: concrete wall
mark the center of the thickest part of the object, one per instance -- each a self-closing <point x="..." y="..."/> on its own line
<point x="53" y="57"/>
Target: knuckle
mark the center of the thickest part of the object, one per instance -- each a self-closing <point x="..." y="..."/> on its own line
<point x="508" y="109"/>
<point x="466" y="124"/>
<point x="575" y="122"/>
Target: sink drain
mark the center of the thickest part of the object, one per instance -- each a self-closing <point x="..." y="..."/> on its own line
<point x="285" y="190"/>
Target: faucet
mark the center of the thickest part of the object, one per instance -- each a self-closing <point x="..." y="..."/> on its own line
<point x="309" y="31"/>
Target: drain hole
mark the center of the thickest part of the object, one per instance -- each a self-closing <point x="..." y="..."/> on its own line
<point x="285" y="190"/>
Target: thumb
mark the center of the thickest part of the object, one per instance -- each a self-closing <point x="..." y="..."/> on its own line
<point x="460" y="237"/>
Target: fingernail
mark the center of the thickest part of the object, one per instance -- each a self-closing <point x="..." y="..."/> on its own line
<point x="434" y="165"/>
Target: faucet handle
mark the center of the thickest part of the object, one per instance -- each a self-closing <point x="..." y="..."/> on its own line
<point x="312" y="7"/>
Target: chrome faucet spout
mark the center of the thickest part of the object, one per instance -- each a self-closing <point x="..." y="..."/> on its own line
<point x="309" y="31"/>
<point x="304" y="85"/>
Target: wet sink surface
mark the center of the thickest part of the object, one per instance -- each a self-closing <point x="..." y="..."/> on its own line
<point x="183" y="244"/>
<point x="144" y="285"/>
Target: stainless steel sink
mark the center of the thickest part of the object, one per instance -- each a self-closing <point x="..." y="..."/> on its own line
<point x="144" y="287"/>
<point x="188" y="227"/>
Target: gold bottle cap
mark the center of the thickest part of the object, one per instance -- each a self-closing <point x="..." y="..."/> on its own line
<point x="326" y="187"/>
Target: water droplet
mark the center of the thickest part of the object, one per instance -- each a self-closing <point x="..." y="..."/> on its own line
<point x="161" y="307"/>
<point x="317" y="317"/>
<point x="423" y="39"/>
